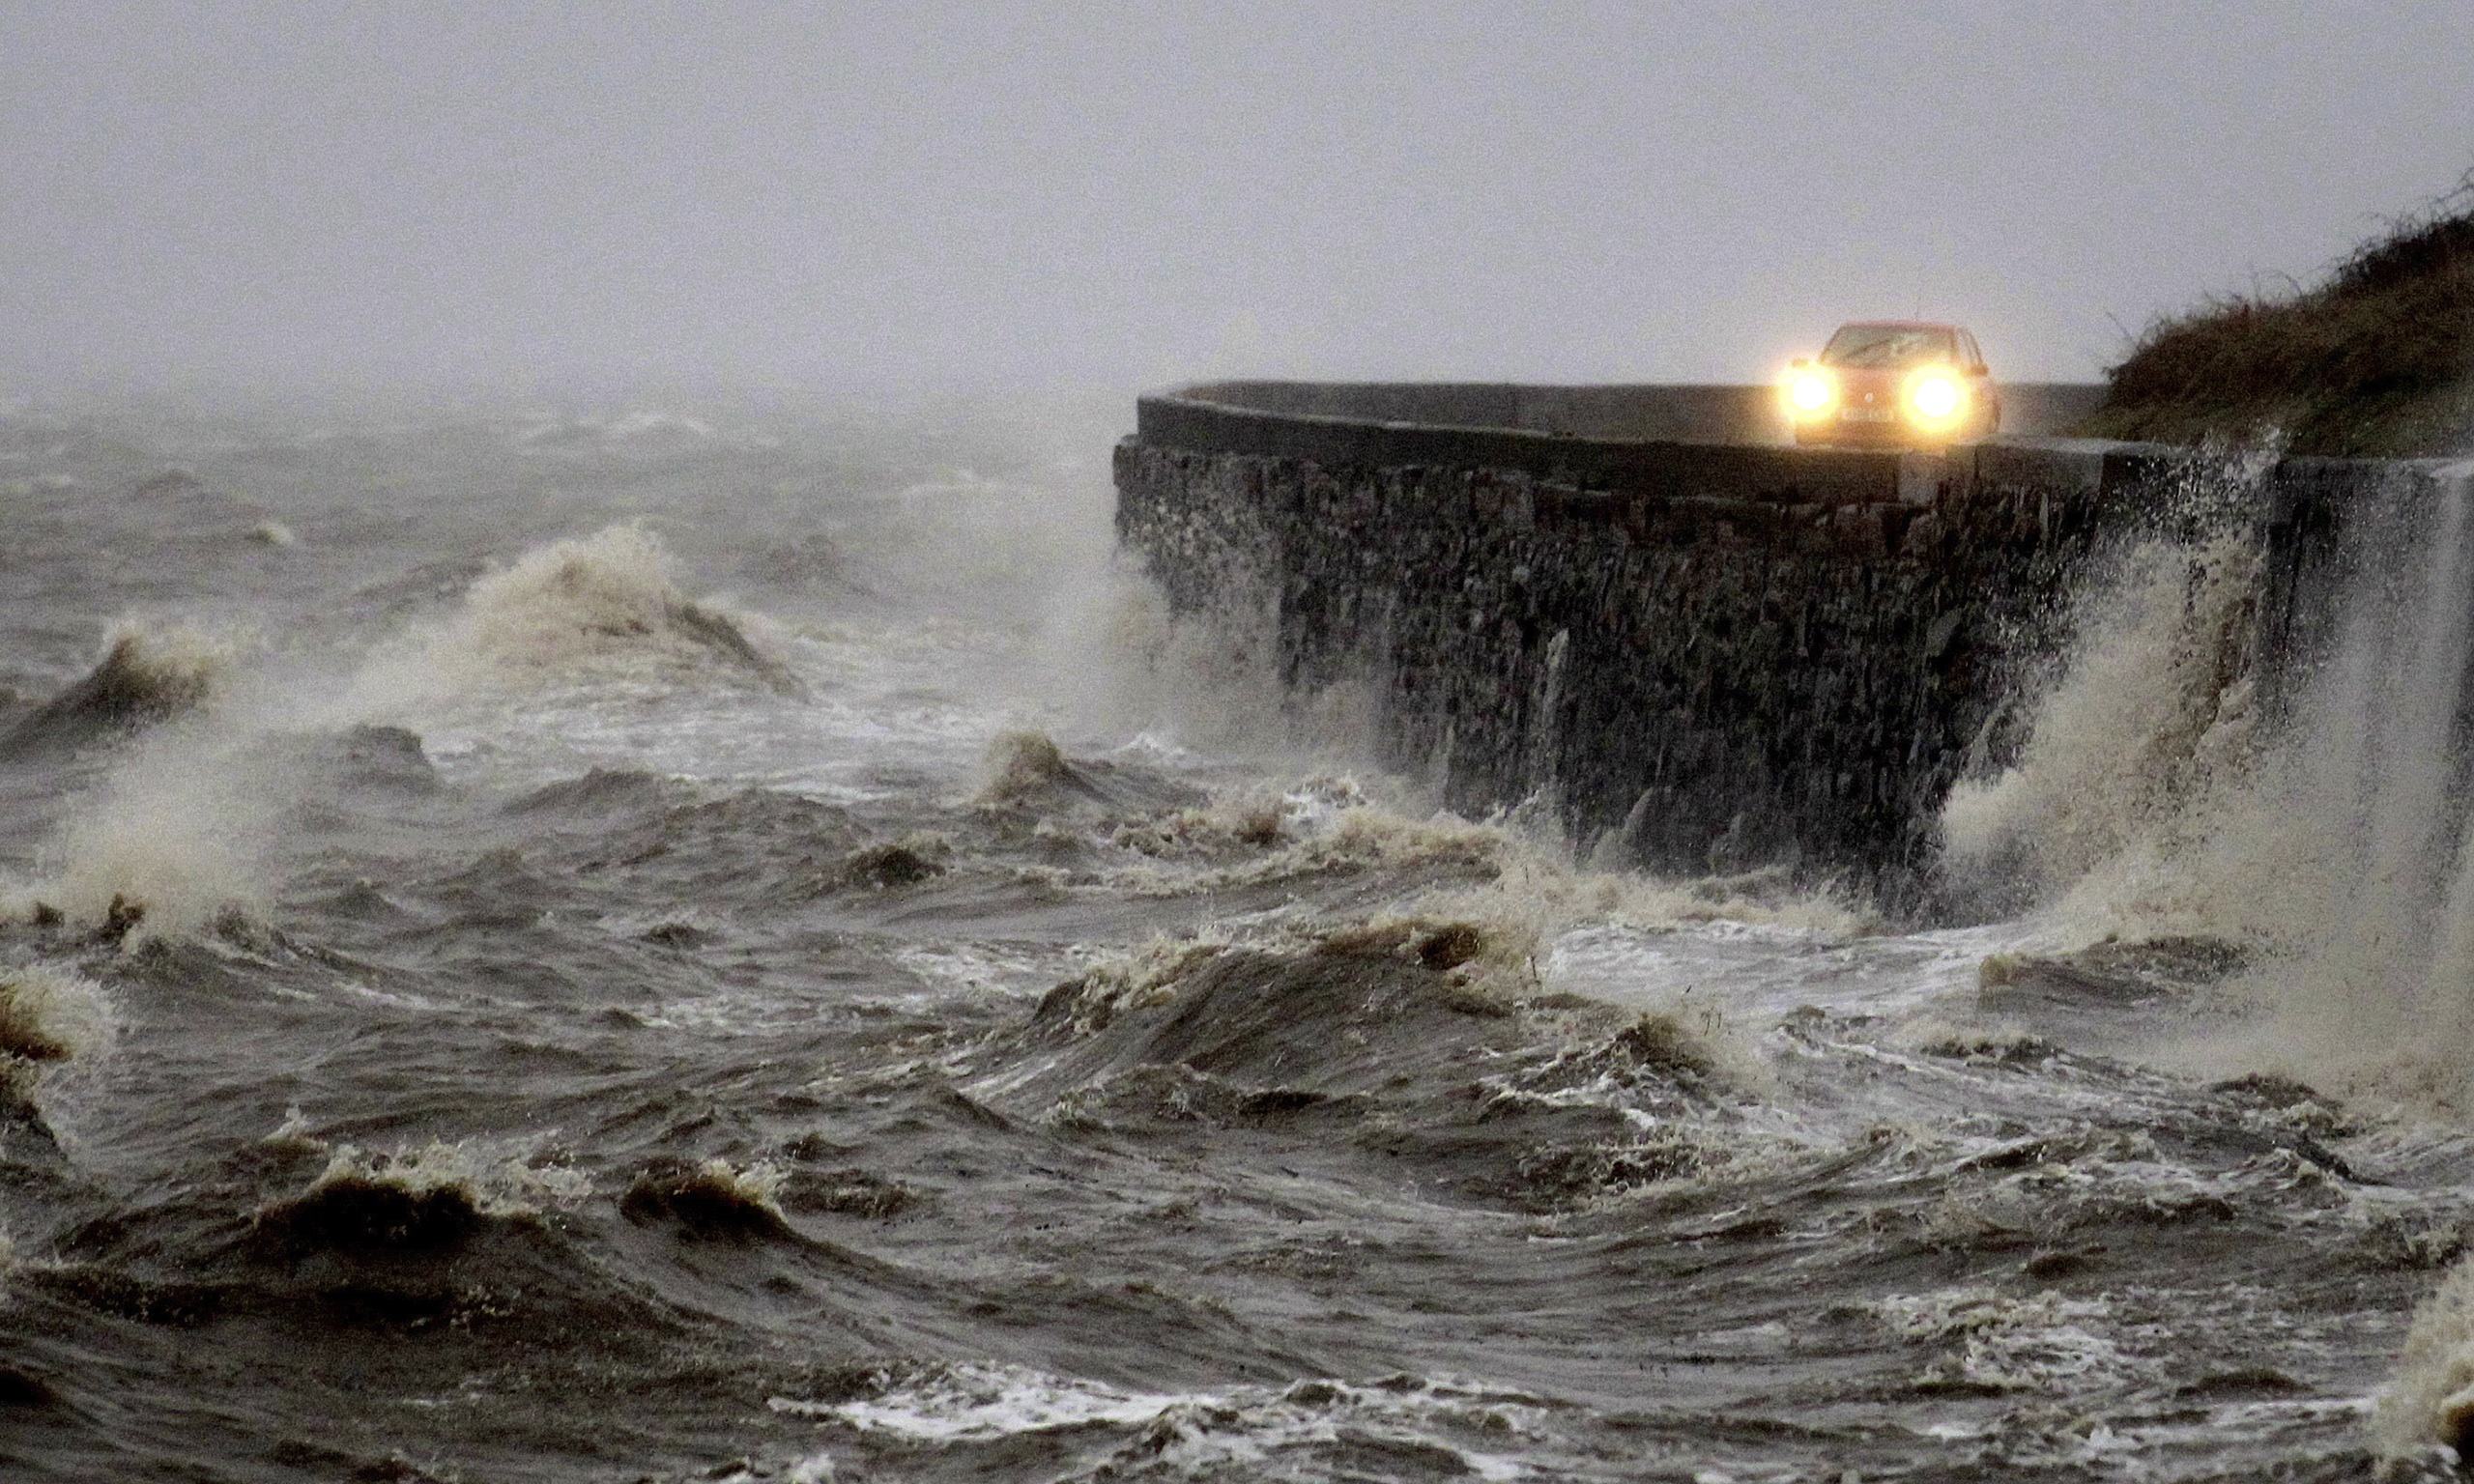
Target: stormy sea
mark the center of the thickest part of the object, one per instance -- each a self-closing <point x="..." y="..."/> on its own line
<point x="736" y="940"/>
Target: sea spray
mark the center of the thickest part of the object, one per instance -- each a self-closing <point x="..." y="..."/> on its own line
<point x="2327" y="845"/>
<point x="2152" y="711"/>
<point x="178" y="833"/>
<point x="1119" y="656"/>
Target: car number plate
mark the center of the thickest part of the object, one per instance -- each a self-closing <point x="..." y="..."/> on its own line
<point x="1866" y="415"/>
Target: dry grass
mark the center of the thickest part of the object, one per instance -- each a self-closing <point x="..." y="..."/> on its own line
<point x="2377" y="360"/>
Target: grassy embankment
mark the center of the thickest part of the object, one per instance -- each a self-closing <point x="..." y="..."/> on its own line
<point x="2377" y="360"/>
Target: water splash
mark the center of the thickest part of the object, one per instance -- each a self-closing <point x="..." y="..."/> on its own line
<point x="2327" y="845"/>
<point x="179" y="834"/>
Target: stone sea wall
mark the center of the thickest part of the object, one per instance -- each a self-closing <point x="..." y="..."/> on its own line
<point x="1710" y="656"/>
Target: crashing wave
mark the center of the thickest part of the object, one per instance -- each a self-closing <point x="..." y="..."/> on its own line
<point x="611" y="595"/>
<point x="2153" y="715"/>
<point x="145" y="676"/>
<point x="2326" y="847"/>
<point x="50" y="1014"/>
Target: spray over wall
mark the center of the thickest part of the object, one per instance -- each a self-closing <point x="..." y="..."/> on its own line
<point x="2283" y="772"/>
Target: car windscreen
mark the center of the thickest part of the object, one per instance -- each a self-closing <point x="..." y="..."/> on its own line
<point x="1887" y="346"/>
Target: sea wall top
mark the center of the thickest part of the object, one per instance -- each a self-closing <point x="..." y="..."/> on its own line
<point x="1723" y="440"/>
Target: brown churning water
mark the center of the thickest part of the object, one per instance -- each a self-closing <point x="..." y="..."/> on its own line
<point x="745" y="946"/>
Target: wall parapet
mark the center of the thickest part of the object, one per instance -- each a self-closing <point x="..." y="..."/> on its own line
<point x="1739" y="470"/>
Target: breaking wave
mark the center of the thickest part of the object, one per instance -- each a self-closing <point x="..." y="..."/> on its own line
<point x="48" y="1015"/>
<point x="612" y="595"/>
<point x="429" y="1199"/>
<point x="1367" y="1035"/>
<point x="1503" y="868"/>
<point x="145" y="675"/>
<point x="714" y="1198"/>
<point x="1023" y="766"/>
<point x="178" y="833"/>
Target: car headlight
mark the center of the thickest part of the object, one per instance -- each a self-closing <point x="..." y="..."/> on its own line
<point x="1936" y="397"/>
<point x="1810" y="391"/>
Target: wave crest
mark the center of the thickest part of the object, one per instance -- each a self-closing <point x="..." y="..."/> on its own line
<point x="50" y="1014"/>
<point x="430" y="1199"/>
<point x="581" y="600"/>
<point x="713" y="1199"/>
<point x="145" y="675"/>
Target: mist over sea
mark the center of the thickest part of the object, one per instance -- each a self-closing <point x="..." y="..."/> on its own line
<point x="734" y="939"/>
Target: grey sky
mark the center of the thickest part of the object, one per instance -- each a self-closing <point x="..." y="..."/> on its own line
<point x="1102" y="194"/>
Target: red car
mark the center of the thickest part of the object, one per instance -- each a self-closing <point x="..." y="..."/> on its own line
<point x="1894" y="384"/>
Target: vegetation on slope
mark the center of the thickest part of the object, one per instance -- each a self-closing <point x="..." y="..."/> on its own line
<point x="2377" y="360"/>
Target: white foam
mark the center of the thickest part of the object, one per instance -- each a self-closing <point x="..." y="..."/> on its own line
<point x="1241" y="1431"/>
<point x="1990" y="1339"/>
<point x="979" y="1403"/>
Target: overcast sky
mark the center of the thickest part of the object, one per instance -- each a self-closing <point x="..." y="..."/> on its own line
<point x="984" y="195"/>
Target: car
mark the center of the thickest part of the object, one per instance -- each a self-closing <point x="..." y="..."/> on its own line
<point x="1894" y="384"/>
